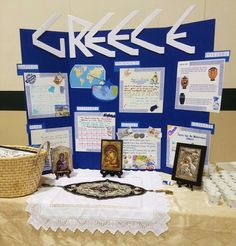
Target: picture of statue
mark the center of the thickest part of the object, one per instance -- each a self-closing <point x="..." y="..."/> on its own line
<point x="154" y="79"/>
<point x="212" y="73"/>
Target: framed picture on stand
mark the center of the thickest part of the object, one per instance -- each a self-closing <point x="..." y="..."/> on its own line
<point x="61" y="161"/>
<point x="188" y="164"/>
<point x="111" y="157"/>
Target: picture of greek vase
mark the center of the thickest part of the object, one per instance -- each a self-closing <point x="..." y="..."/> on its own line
<point x="181" y="98"/>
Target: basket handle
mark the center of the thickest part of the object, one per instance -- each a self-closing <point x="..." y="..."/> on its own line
<point x="39" y="150"/>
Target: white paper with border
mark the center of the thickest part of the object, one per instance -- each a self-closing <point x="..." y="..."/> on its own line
<point x="141" y="150"/>
<point x="203" y="91"/>
<point x="56" y="137"/>
<point x="47" y="95"/>
<point x="179" y="134"/>
<point x="91" y="128"/>
<point x="141" y="90"/>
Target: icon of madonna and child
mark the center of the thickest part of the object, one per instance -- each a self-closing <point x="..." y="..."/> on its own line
<point x="61" y="161"/>
<point x="111" y="155"/>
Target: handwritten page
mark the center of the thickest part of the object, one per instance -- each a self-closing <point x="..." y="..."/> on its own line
<point x="178" y="134"/>
<point x="141" y="148"/>
<point x="47" y="95"/>
<point x="199" y="85"/>
<point x="91" y="128"/>
<point x="141" y="90"/>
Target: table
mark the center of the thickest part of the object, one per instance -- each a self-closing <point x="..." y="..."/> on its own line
<point x="193" y="222"/>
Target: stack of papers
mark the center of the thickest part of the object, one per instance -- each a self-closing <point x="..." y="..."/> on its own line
<point x="8" y="153"/>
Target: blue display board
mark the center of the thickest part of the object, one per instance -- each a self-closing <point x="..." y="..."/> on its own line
<point x="199" y="34"/>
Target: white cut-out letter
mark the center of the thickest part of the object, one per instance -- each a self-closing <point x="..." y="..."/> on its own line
<point x="139" y="29"/>
<point x="76" y="41"/>
<point x="90" y="40"/>
<point x="60" y="53"/>
<point x="113" y="37"/>
<point x="171" y="35"/>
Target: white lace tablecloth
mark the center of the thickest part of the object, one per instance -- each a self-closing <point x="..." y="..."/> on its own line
<point x="53" y="207"/>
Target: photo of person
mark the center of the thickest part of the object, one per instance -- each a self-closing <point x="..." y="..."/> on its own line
<point x="212" y="73"/>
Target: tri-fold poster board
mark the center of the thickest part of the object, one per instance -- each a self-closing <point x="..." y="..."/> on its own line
<point x="149" y="100"/>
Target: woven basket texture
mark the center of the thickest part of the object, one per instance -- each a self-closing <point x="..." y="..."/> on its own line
<point x="20" y="176"/>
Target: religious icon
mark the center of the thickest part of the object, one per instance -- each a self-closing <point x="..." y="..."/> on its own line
<point x="188" y="163"/>
<point x="61" y="161"/>
<point x="111" y="157"/>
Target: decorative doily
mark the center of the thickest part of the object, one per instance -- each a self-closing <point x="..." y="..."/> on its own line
<point x="106" y="189"/>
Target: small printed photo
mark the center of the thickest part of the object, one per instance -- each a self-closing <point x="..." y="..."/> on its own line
<point x="124" y="133"/>
<point x="143" y="162"/>
<point x="58" y="79"/>
<point x="212" y="73"/>
<point x="184" y="82"/>
<point x="153" y="132"/>
<point x="62" y="110"/>
<point x="154" y="79"/>
<point x="181" y="98"/>
<point x="216" y="103"/>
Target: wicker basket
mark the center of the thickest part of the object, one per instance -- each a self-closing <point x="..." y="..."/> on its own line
<point x="20" y="176"/>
